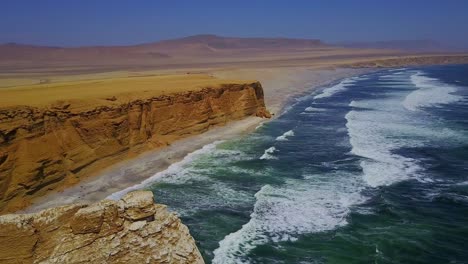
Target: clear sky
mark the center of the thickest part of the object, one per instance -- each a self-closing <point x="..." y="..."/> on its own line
<point x="119" y="22"/>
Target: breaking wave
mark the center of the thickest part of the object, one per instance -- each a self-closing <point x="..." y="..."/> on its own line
<point x="431" y="92"/>
<point x="268" y="155"/>
<point x="282" y="213"/>
<point x="173" y="169"/>
<point x="334" y="89"/>
<point x="314" y="109"/>
<point x="285" y="136"/>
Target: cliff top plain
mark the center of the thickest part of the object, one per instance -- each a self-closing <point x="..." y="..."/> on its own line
<point x="87" y="94"/>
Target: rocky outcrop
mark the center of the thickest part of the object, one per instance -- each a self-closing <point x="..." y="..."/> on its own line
<point x="43" y="149"/>
<point x="132" y="230"/>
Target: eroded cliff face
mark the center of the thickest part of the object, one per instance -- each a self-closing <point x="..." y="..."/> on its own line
<point x="132" y="230"/>
<point x="43" y="149"/>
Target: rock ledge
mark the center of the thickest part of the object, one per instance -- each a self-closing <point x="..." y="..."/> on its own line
<point x="132" y="230"/>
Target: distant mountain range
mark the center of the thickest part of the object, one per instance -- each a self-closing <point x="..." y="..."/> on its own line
<point x="217" y="43"/>
<point x="194" y="50"/>
<point x="199" y="45"/>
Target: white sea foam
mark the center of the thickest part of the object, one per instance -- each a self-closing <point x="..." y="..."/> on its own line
<point x="312" y="204"/>
<point x="314" y="109"/>
<point x="172" y="171"/>
<point x="386" y="126"/>
<point x="381" y="166"/>
<point x="353" y="104"/>
<point x="287" y="109"/>
<point x="296" y="101"/>
<point x="377" y="128"/>
<point x="462" y="183"/>
<point x="269" y="154"/>
<point x="389" y="76"/>
<point x="335" y="89"/>
<point x="431" y="93"/>
<point x="359" y="78"/>
<point x="395" y="76"/>
<point x="374" y="135"/>
<point x="285" y="136"/>
<point x="399" y="73"/>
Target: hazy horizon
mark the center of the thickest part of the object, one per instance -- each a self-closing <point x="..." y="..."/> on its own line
<point x="90" y="23"/>
<point x="224" y="36"/>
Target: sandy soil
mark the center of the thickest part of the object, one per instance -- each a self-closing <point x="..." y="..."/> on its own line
<point x="87" y="94"/>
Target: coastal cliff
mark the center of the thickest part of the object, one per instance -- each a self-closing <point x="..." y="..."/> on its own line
<point x="44" y="148"/>
<point x="131" y="230"/>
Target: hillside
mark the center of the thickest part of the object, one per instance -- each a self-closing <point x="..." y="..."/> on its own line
<point x="194" y="46"/>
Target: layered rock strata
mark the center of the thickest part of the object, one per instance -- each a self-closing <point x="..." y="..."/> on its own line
<point x="49" y="148"/>
<point x="131" y="230"/>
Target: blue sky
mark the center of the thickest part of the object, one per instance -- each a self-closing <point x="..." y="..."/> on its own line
<point x="118" y="22"/>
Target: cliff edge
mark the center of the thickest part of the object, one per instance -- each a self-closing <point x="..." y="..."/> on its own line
<point x="48" y="144"/>
<point x="131" y="230"/>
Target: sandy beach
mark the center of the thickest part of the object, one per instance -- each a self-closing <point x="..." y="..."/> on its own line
<point x="281" y="86"/>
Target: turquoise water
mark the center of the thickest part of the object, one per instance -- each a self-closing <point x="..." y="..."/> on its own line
<point x="373" y="169"/>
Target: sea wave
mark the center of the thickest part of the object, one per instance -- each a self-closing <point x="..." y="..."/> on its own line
<point x="282" y="213"/>
<point x="375" y="141"/>
<point x="172" y="171"/>
<point x="431" y="92"/>
<point x="379" y="127"/>
<point x="394" y="77"/>
<point x="462" y="183"/>
<point x="259" y="126"/>
<point x="341" y="86"/>
<point x="314" y="109"/>
<point x="268" y="154"/>
<point x="397" y="69"/>
<point x="285" y="136"/>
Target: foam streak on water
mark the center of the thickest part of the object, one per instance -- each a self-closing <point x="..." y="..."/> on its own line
<point x="313" y="109"/>
<point x="335" y="89"/>
<point x="430" y="92"/>
<point x="285" y="136"/>
<point x="173" y="169"/>
<point x="269" y="154"/>
<point x="311" y="205"/>
<point x="378" y="127"/>
<point x="372" y="140"/>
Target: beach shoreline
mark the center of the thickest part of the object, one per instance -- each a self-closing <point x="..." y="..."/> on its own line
<point x="282" y="87"/>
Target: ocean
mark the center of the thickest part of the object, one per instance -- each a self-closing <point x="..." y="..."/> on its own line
<point x="373" y="169"/>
